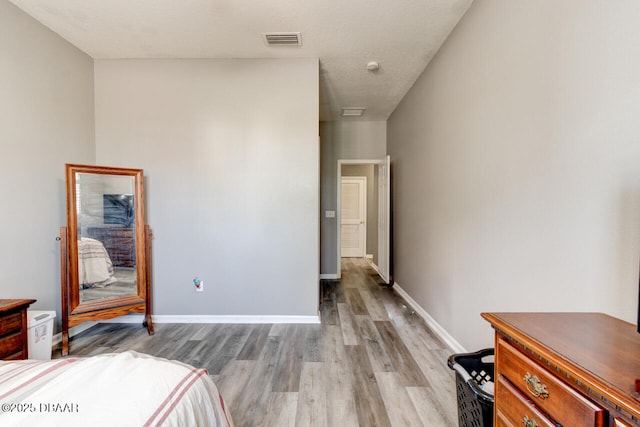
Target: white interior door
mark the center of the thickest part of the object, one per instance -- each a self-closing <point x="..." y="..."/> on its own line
<point x="353" y="216"/>
<point x="384" y="218"/>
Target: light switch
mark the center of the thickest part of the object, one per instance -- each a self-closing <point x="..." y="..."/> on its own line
<point x="330" y="214"/>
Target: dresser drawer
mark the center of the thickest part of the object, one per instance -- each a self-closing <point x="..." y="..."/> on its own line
<point x="10" y="324"/>
<point x="514" y="409"/>
<point x="563" y="404"/>
<point x="10" y="345"/>
<point x="21" y="355"/>
<point x="501" y="419"/>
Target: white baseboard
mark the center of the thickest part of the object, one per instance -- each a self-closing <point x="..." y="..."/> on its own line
<point x="170" y="318"/>
<point x="431" y="322"/>
<point x="369" y="256"/>
<point x="329" y="277"/>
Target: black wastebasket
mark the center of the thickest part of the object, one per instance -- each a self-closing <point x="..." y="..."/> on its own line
<point x="473" y="370"/>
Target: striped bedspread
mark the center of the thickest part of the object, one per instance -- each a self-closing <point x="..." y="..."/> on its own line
<point x="116" y="389"/>
<point x="94" y="265"/>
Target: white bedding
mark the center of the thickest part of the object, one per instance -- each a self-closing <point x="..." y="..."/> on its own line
<point x="95" y="268"/>
<point x="116" y="389"/>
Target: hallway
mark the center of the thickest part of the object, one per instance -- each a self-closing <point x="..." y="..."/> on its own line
<point x="401" y="363"/>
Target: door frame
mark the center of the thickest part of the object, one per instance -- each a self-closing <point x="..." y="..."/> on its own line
<point x="364" y="189"/>
<point x="375" y="162"/>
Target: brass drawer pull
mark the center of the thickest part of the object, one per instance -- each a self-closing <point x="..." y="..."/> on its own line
<point x="529" y="422"/>
<point x="535" y="387"/>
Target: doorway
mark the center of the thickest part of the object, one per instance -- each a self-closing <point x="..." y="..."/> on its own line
<point x="353" y="216"/>
<point x="378" y="232"/>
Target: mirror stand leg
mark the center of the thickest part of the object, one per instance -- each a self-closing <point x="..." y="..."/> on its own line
<point x="65" y="343"/>
<point x="64" y="283"/>
<point x="148" y="323"/>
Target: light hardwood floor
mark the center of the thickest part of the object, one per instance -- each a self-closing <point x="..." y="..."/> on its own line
<point x="371" y="362"/>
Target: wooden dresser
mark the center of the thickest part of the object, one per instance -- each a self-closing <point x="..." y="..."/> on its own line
<point x="569" y="369"/>
<point x="13" y="328"/>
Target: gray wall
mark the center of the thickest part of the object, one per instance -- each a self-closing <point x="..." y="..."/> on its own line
<point x="231" y="158"/>
<point x="215" y="139"/>
<point x="515" y="166"/>
<point x="343" y="140"/>
<point x="46" y="120"/>
<point x="368" y="171"/>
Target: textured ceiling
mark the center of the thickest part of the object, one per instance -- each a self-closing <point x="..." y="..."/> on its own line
<point x="402" y="35"/>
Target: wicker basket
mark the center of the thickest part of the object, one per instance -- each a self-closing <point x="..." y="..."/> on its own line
<point x="475" y="405"/>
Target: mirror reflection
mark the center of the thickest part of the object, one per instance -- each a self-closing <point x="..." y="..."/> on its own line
<point x="106" y="236"/>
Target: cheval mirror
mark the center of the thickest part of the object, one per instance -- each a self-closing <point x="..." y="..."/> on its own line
<point x="105" y="248"/>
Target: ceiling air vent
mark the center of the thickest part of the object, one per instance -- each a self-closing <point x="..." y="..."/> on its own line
<point x="283" y="39"/>
<point x="353" y="111"/>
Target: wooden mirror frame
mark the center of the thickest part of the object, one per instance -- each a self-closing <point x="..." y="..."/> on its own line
<point x="75" y="312"/>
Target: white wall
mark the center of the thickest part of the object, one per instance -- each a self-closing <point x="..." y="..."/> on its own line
<point x="46" y="120"/>
<point x="343" y="140"/>
<point x="516" y="161"/>
<point x="231" y="158"/>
